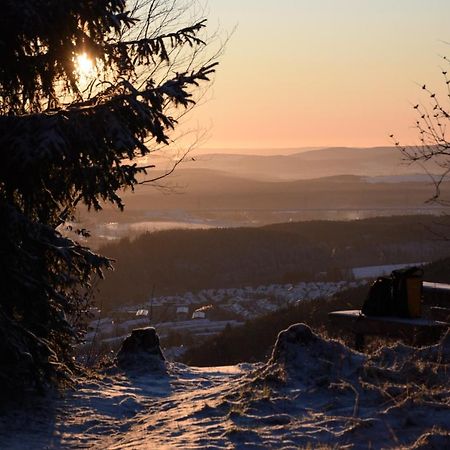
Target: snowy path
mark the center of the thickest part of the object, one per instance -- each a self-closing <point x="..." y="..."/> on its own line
<point x="144" y="411"/>
<point x="312" y="393"/>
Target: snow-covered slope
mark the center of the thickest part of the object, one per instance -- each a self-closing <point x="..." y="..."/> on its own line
<point x="312" y="392"/>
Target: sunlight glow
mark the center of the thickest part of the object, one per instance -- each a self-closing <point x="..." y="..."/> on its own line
<point x="84" y="66"/>
<point x="323" y="73"/>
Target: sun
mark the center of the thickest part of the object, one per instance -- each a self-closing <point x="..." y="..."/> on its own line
<point x="84" y="65"/>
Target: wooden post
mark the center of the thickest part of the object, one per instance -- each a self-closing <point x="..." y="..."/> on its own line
<point x="359" y="342"/>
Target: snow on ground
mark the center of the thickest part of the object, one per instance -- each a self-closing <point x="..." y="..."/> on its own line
<point x="311" y="393"/>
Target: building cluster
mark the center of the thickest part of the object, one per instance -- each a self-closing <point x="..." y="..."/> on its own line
<point x="192" y="317"/>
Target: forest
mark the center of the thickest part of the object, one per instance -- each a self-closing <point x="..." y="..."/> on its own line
<point x="177" y="261"/>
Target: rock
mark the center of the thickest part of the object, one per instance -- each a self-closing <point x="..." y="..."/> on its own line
<point x="289" y="340"/>
<point x="306" y="356"/>
<point x="141" y="350"/>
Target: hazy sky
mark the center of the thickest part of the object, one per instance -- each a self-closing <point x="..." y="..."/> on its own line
<point x="302" y="73"/>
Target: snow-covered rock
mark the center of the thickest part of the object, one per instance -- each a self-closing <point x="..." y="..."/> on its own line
<point x="307" y="356"/>
<point x="141" y="350"/>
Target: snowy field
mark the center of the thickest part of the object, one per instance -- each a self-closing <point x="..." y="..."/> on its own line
<point x="312" y="393"/>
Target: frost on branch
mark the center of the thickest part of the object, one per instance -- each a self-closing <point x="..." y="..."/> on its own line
<point x="63" y="144"/>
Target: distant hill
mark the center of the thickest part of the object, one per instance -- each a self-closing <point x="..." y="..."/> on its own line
<point x="369" y="162"/>
<point x="206" y="189"/>
<point x="254" y="151"/>
<point x="227" y="190"/>
<point x="192" y="198"/>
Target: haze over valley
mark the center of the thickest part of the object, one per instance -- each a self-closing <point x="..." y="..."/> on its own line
<point x="229" y="190"/>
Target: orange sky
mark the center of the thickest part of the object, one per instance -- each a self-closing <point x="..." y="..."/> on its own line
<point x="298" y="73"/>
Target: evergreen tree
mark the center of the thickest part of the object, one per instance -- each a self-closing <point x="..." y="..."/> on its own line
<point x="66" y="140"/>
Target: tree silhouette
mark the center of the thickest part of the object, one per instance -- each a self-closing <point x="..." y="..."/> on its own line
<point x="72" y="136"/>
<point x="433" y="119"/>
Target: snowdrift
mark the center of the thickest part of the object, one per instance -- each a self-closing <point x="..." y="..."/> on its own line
<point x="327" y="394"/>
<point x="312" y="392"/>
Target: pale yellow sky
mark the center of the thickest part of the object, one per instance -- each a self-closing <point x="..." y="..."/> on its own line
<point x="302" y="73"/>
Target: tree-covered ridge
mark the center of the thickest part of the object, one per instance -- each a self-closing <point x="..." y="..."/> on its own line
<point x="63" y="143"/>
<point x="177" y="261"/>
